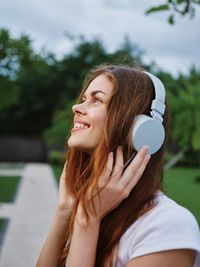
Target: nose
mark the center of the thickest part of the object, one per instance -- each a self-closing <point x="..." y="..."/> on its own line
<point x="79" y="109"/>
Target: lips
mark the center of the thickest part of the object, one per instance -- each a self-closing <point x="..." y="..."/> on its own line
<point x="80" y="124"/>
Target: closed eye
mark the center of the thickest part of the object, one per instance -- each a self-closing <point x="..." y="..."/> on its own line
<point x="98" y="99"/>
<point x="93" y="99"/>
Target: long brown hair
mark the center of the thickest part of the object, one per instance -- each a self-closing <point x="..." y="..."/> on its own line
<point x="132" y="95"/>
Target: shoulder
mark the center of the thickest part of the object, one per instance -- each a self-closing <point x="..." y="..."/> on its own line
<point x="166" y="226"/>
<point x="168" y="214"/>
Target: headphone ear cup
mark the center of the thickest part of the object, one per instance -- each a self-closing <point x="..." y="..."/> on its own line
<point x="147" y="131"/>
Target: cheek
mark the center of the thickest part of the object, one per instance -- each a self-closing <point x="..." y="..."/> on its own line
<point x="100" y="121"/>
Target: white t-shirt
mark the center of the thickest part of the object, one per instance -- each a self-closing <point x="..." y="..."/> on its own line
<point x="167" y="226"/>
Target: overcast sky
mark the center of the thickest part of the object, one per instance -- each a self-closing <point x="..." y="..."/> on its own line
<point x="173" y="48"/>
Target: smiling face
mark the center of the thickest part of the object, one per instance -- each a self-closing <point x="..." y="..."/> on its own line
<point x="90" y="115"/>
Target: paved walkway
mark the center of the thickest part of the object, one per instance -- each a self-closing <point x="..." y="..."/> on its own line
<point x="29" y="216"/>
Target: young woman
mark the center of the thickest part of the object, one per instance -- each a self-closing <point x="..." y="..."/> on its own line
<point x="109" y="215"/>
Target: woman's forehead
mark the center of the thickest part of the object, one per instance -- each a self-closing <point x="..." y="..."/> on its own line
<point x="100" y="84"/>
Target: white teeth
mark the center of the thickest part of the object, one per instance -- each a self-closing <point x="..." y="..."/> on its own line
<point x="80" y="125"/>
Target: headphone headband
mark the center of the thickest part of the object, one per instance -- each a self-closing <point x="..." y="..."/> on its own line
<point x="158" y="104"/>
<point x="149" y="130"/>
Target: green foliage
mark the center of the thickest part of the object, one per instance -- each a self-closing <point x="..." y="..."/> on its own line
<point x="57" y="170"/>
<point x="196" y="140"/>
<point x="37" y="91"/>
<point x="25" y="83"/>
<point x="181" y="7"/>
<point x="158" y="8"/>
<point x="8" y="92"/>
<point x="56" y="157"/>
<point x="8" y="67"/>
<point x="56" y="135"/>
<point x="185" y="111"/>
<point x="171" y="19"/>
<point x="40" y="85"/>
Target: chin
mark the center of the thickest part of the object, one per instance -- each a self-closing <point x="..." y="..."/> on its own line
<point x="80" y="147"/>
<point x="83" y="149"/>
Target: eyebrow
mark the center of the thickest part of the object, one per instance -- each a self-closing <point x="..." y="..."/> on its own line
<point x="95" y="92"/>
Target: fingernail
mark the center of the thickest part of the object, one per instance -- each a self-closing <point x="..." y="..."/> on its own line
<point x="145" y="148"/>
<point x="148" y="156"/>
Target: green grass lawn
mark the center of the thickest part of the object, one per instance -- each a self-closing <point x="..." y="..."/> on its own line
<point x="179" y="184"/>
<point x="8" y="188"/>
<point x="1" y="223"/>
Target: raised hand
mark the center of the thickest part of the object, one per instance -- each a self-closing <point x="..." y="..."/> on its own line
<point x="114" y="184"/>
<point x="65" y="201"/>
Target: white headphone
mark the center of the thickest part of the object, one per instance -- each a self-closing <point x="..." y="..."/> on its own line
<point x="149" y="130"/>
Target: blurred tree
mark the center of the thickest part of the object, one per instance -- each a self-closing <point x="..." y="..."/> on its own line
<point x="56" y="135"/>
<point x="29" y="88"/>
<point x="12" y="53"/>
<point x="37" y="91"/>
<point x="73" y="67"/>
<point x="39" y="84"/>
<point x="185" y="113"/>
<point x="182" y="7"/>
<point x="128" y="53"/>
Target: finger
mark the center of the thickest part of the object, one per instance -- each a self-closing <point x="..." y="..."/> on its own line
<point x="133" y="167"/>
<point x="130" y="185"/>
<point x="119" y="163"/>
<point x="136" y="162"/>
